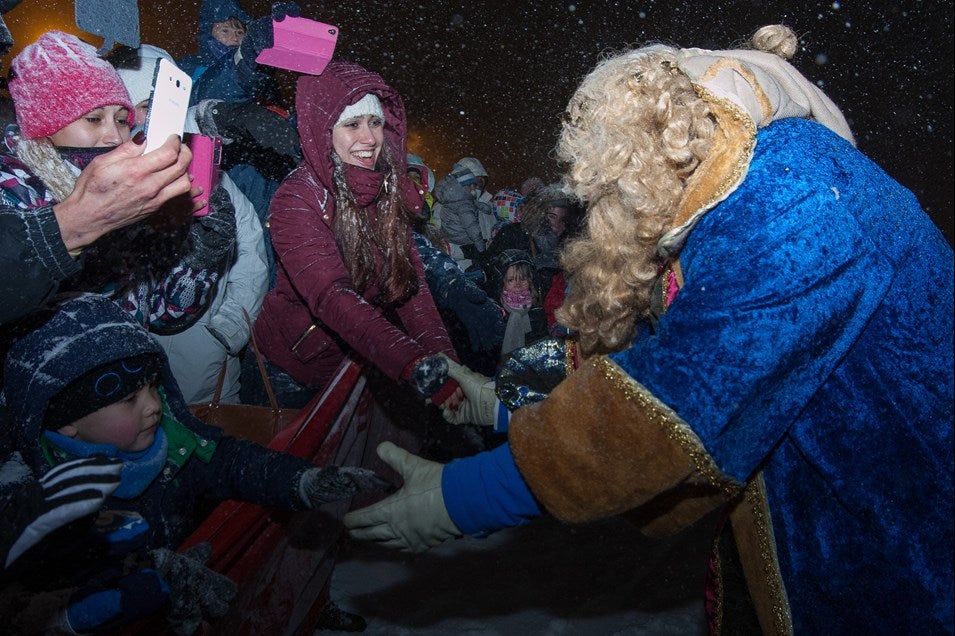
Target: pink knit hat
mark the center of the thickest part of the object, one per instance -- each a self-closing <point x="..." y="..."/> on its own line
<point x="58" y="79"/>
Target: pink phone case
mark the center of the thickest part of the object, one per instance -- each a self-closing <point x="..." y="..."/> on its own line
<point x="204" y="167"/>
<point x="301" y="45"/>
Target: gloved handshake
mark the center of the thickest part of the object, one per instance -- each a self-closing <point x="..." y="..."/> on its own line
<point x="480" y="404"/>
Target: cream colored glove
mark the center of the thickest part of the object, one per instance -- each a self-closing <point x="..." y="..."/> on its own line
<point x="414" y="518"/>
<point x="480" y="405"/>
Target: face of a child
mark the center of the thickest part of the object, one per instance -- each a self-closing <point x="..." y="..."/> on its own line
<point x="229" y="32"/>
<point x="358" y="140"/>
<point x="515" y="280"/>
<point x="102" y="127"/>
<point x="129" y="424"/>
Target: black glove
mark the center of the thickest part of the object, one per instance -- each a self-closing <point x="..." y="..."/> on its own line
<point x="256" y="124"/>
<point x="71" y="490"/>
<point x="282" y="9"/>
<point x="193" y="588"/>
<point x="212" y="236"/>
<point x="318" y="486"/>
<point x="480" y="316"/>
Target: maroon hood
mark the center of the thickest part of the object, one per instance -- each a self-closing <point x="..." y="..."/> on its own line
<point x="320" y="99"/>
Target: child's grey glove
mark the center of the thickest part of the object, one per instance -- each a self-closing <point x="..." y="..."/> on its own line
<point x="193" y="588"/>
<point x="70" y="491"/>
<point x="212" y="236"/>
<point x="319" y="486"/>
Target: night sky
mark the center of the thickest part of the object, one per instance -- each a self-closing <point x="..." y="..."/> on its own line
<point x="491" y="79"/>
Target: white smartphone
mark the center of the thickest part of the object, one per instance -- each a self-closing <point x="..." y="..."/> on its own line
<point x="167" y="104"/>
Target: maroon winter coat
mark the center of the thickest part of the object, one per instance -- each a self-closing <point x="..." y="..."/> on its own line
<point x="314" y="315"/>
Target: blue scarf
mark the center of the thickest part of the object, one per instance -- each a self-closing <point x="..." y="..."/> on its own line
<point x="140" y="468"/>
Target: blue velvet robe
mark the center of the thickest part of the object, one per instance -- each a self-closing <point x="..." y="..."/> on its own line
<point x="810" y="353"/>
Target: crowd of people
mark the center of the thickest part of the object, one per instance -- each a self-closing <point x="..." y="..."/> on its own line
<point x="732" y="310"/>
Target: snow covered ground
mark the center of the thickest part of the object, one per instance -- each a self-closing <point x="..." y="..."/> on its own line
<point x="545" y="578"/>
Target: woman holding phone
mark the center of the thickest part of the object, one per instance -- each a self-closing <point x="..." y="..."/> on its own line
<point x="71" y="107"/>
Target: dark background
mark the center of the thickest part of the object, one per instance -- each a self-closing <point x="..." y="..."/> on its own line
<point x="491" y="79"/>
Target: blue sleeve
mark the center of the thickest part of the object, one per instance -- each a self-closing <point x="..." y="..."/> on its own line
<point x="486" y="492"/>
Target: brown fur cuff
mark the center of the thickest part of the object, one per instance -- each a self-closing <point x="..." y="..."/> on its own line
<point x="601" y="444"/>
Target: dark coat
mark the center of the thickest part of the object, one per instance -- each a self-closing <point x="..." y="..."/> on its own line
<point x="314" y="316"/>
<point x="89" y="331"/>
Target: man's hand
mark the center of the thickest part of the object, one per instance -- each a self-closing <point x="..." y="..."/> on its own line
<point x="122" y="187"/>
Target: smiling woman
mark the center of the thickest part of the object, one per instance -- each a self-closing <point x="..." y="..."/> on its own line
<point x="350" y="281"/>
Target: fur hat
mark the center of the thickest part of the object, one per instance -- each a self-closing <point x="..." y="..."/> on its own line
<point x="137" y="70"/>
<point x="367" y="105"/>
<point x="531" y="185"/>
<point x="58" y="79"/>
<point x="101" y="387"/>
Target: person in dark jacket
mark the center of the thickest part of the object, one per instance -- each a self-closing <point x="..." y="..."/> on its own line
<point x="89" y="382"/>
<point x="350" y="281"/>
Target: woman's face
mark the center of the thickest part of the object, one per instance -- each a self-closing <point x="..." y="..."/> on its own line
<point x="358" y="140"/>
<point x="102" y="127"/>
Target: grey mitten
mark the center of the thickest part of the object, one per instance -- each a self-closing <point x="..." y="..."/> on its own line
<point x="212" y="236"/>
<point x="318" y="486"/>
<point x="193" y="588"/>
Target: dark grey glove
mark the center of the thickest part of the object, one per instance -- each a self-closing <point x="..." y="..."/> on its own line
<point x="255" y="124"/>
<point x="259" y="36"/>
<point x="318" y="486"/>
<point x="212" y="236"/>
<point x="193" y="588"/>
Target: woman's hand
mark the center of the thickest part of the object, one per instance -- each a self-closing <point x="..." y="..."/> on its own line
<point x="122" y="187"/>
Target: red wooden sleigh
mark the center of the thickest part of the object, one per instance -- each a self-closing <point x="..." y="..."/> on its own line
<point x="282" y="562"/>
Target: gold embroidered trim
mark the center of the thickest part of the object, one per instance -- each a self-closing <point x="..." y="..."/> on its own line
<point x="675" y="428"/>
<point x="755" y="497"/>
<point x="570" y="356"/>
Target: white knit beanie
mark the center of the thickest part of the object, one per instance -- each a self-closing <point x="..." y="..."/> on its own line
<point x="138" y="76"/>
<point x="367" y="105"/>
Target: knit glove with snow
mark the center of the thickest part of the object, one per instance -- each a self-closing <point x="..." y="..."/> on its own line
<point x="414" y="518"/>
<point x="429" y="374"/>
<point x="212" y="237"/>
<point x="318" y="486"/>
<point x="193" y="588"/>
<point x="70" y="491"/>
